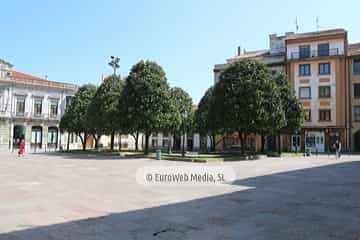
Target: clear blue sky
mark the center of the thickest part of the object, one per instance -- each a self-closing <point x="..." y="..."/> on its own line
<point x="71" y="41"/>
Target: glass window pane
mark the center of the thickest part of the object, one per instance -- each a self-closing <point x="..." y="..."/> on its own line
<point x="357" y="66"/>
<point x="323" y="49"/>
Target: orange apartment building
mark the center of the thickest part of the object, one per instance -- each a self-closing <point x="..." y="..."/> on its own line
<point x="324" y="70"/>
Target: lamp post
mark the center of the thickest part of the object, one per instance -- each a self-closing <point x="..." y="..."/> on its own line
<point x="114" y="63"/>
<point x="185" y="115"/>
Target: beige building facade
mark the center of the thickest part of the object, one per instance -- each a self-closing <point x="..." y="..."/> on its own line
<point x="324" y="71"/>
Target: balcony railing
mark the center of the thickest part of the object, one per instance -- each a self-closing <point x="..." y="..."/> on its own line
<point x="315" y="53"/>
<point x="31" y="115"/>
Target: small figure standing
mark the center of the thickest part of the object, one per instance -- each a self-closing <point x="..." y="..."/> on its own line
<point x="337" y="149"/>
<point x="21" y="148"/>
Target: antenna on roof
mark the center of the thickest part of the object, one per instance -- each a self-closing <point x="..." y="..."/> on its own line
<point x="296" y="25"/>
<point x="317" y="24"/>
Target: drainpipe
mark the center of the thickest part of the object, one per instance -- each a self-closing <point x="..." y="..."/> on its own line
<point x="350" y="107"/>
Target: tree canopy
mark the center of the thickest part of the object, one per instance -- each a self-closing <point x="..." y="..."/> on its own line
<point x="75" y="119"/>
<point x="103" y="114"/>
<point x="247" y="100"/>
<point x="144" y="103"/>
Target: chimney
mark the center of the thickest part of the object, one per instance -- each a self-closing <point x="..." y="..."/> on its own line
<point x="239" y="51"/>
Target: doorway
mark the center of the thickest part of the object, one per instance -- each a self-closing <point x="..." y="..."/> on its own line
<point x="36" y="137"/>
<point x="295" y="143"/>
<point x="315" y="141"/>
<point x="18" y="135"/>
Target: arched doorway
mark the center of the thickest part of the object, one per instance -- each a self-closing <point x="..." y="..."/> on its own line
<point x="357" y="141"/>
<point x="53" y="137"/>
<point x="18" y="135"/>
<point x="36" y="137"/>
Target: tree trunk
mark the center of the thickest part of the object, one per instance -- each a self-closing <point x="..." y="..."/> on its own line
<point x="136" y="138"/>
<point x="96" y="139"/>
<point x="213" y="143"/>
<point x="262" y="143"/>
<point x="170" y="143"/>
<point x="119" y="142"/>
<point x="112" y="141"/>
<point x="96" y="143"/>
<point x="83" y="141"/>
<point x="68" y="143"/>
<point x="146" y="143"/>
<point x="279" y="144"/>
<point x="241" y="138"/>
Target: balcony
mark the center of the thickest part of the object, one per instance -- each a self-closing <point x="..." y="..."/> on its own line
<point x="31" y="115"/>
<point x="314" y="54"/>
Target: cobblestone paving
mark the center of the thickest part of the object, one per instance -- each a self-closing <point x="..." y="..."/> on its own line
<point x="82" y="196"/>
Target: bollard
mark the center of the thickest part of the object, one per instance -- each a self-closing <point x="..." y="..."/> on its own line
<point x="158" y="154"/>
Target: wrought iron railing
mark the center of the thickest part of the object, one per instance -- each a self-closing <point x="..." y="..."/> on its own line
<point x="315" y="53"/>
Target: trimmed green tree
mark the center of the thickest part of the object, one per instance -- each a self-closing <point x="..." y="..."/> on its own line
<point x="180" y="102"/>
<point x="75" y="119"/>
<point x="103" y="115"/>
<point x="145" y="100"/>
<point x="292" y="107"/>
<point x="247" y="100"/>
<point x="205" y="121"/>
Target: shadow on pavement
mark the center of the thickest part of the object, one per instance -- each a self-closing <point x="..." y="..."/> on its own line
<point x="315" y="203"/>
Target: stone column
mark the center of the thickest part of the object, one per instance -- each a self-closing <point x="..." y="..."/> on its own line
<point x="160" y="140"/>
<point x="44" y="138"/>
<point x="196" y="141"/>
<point x="11" y="136"/>
<point x="27" y="137"/>
<point x="59" y="140"/>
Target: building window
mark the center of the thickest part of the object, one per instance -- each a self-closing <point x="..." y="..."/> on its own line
<point x="68" y="101"/>
<point x="37" y="106"/>
<point x="305" y="92"/>
<point x="324" y="92"/>
<point x="304" y="51"/>
<point x="324" y="68"/>
<point x="323" y="49"/>
<point x="304" y="70"/>
<point x="325" y="115"/>
<point x="357" y="67"/>
<point x="20" y="105"/>
<point x="357" y="90"/>
<point x="307" y="113"/>
<point x="357" y="113"/>
<point x="52" y="135"/>
<point x="53" y="108"/>
<point x="36" y="136"/>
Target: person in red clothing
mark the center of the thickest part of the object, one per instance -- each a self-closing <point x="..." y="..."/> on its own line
<point x="21" y="148"/>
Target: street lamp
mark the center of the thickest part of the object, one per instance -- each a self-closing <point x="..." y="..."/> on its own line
<point x="185" y="115"/>
<point x="114" y="63"/>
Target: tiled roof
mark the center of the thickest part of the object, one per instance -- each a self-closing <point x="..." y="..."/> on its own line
<point x="24" y="76"/>
<point x="316" y="34"/>
<point x="27" y="79"/>
<point x="354" y="49"/>
<point x="247" y="55"/>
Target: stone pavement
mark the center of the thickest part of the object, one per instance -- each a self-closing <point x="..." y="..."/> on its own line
<point x="69" y="196"/>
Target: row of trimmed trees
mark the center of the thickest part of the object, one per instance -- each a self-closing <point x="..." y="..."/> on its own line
<point x="143" y="103"/>
<point x="249" y="98"/>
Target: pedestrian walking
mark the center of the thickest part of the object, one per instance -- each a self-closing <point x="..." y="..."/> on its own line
<point x="337" y="149"/>
<point x="21" y="148"/>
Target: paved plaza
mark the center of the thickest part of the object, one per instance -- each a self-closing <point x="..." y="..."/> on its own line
<point x="68" y="196"/>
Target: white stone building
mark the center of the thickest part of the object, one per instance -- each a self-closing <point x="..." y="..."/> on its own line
<point x="31" y="109"/>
